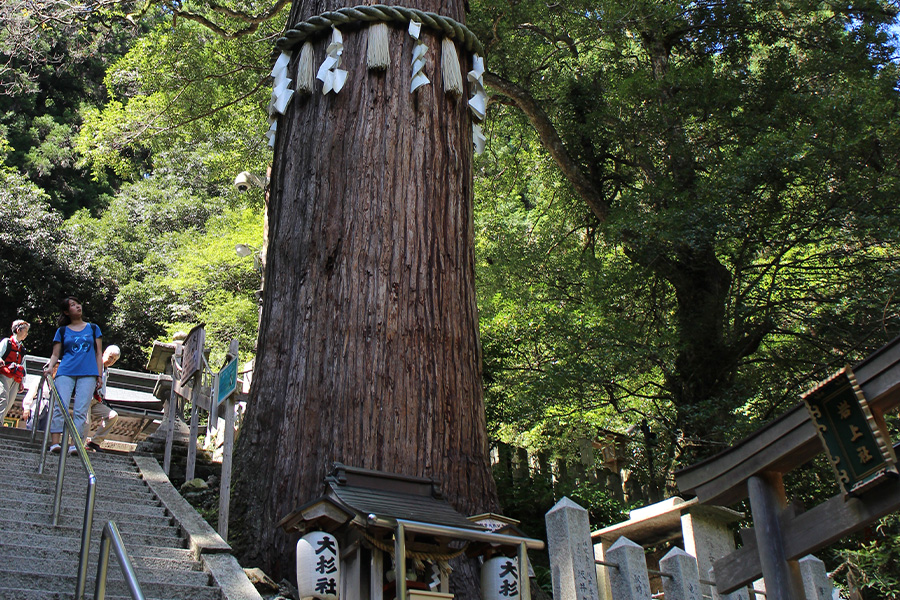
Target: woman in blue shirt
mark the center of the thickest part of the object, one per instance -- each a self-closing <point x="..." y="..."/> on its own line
<point x="78" y="349"/>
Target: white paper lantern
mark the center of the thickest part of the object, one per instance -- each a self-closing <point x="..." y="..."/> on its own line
<point x="318" y="566"/>
<point x="500" y="579"/>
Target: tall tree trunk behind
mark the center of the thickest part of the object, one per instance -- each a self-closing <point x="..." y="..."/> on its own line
<point x="368" y="351"/>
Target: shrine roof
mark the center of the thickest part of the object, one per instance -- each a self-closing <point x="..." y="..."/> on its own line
<point x="388" y="495"/>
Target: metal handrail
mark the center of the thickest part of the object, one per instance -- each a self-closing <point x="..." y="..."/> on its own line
<point x="111" y="535"/>
<point x="69" y="426"/>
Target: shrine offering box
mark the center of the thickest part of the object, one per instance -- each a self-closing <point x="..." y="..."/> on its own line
<point x="423" y="595"/>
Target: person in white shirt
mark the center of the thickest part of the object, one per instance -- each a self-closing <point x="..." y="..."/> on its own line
<point x="31" y="411"/>
<point x="99" y="409"/>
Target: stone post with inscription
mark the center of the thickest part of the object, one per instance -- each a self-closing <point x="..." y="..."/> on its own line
<point x="628" y="579"/>
<point x="681" y="579"/>
<point x="816" y="584"/>
<point x="571" y="552"/>
<point x="708" y="536"/>
<point x="740" y="594"/>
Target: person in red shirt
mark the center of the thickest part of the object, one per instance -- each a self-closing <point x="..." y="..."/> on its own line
<point x="12" y="369"/>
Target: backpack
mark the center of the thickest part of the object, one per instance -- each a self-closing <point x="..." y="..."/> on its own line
<point x="13" y="369"/>
<point x="62" y="336"/>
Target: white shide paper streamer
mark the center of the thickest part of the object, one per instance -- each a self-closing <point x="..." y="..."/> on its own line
<point x="478" y="101"/>
<point x="330" y="73"/>
<point x="418" y="58"/>
<point x="281" y="94"/>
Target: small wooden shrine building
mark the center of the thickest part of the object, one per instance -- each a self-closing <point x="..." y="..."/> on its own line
<point x="372" y="517"/>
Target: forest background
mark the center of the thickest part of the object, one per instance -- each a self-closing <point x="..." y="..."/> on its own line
<point x="686" y="214"/>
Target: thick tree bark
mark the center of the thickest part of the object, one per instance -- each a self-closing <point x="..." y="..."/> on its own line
<point x="368" y="350"/>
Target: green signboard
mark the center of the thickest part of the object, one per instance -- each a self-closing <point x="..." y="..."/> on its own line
<point x="226" y="381"/>
<point x="859" y="451"/>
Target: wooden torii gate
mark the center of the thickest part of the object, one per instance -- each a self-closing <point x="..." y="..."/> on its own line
<point x="754" y="468"/>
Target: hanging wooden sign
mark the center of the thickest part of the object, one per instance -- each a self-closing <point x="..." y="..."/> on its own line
<point x="192" y="353"/>
<point x="859" y="450"/>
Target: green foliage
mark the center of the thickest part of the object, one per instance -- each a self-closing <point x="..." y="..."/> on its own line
<point x="528" y="499"/>
<point x="167" y="251"/>
<point x="137" y="132"/>
<point x="728" y="242"/>
<point x="39" y="262"/>
<point x="48" y="76"/>
<point x="740" y="155"/>
<point x="870" y="570"/>
<point x="743" y="155"/>
<point x="198" y="278"/>
<point x="183" y="86"/>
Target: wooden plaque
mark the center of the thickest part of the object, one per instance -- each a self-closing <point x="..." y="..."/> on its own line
<point x="856" y="446"/>
<point x="192" y="357"/>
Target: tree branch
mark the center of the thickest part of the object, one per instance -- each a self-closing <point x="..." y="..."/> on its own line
<point x="564" y="38"/>
<point x="552" y="142"/>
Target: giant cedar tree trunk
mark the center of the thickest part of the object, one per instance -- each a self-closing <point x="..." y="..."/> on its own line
<point x="368" y="348"/>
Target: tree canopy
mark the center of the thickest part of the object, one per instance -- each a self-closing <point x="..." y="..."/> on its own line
<point x="702" y="192"/>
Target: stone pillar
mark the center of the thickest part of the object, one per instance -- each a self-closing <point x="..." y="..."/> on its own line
<point x="629" y="579"/>
<point x="707" y="536"/>
<point x="571" y="556"/>
<point x="586" y="449"/>
<point x="816" y="584"/>
<point x="741" y="594"/>
<point x="680" y="577"/>
<point x="616" y="487"/>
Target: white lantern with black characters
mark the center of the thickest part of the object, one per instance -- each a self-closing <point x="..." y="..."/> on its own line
<point x="318" y="566"/>
<point x="500" y="579"/>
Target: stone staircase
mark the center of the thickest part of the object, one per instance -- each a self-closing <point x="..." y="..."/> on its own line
<point x="175" y="553"/>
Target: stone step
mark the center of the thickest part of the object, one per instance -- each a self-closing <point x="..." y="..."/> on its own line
<point x="71" y="551"/>
<point x="20" y="594"/>
<point x="35" y="446"/>
<point x="104" y="481"/>
<point x="29" y="464"/>
<point x="115" y="585"/>
<point x="100" y="462"/>
<point x="123" y="522"/>
<point x="58" y="561"/>
<point x="77" y="495"/>
<point x="74" y="477"/>
<point x="108" y="485"/>
<point x="128" y="473"/>
<point x="76" y="500"/>
<point x="70" y="526"/>
<point x="110" y="511"/>
<point x="39" y="561"/>
<point x="71" y="538"/>
<point x="183" y="576"/>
